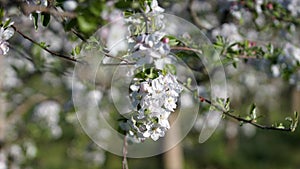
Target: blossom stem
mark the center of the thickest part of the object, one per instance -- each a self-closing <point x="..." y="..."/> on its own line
<point x="124" y="162"/>
<point x="117" y="64"/>
<point x="186" y="48"/>
<point x="146" y="21"/>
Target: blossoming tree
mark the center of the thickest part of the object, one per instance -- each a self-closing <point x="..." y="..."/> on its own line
<point x="126" y="80"/>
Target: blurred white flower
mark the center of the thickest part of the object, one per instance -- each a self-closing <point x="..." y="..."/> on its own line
<point x="2" y="165"/>
<point x="16" y="152"/>
<point x="248" y="130"/>
<point x="30" y="149"/>
<point x="3" y="161"/>
<point x="5" y="34"/>
<point x="228" y="30"/>
<point x="3" y="47"/>
<point x="11" y="78"/>
<point x="294" y="7"/>
<point x="154" y="8"/>
<point x="258" y="4"/>
<point x="275" y="70"/>
<point x="292" y="51"/>
<point x="70" y="5"/>
<point x="48" y="111"/>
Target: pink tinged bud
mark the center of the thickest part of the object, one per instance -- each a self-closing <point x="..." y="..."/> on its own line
<point x="270" y="6"/>
<point x="251" y="44"/>
<point x="165" y="40"/>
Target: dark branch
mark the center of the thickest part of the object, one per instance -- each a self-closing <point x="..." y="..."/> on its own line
<point x="49" y="51"/>
<point x="240" y="119"/>
<point x="34" y="8"/>
<point x="186" y="49"/>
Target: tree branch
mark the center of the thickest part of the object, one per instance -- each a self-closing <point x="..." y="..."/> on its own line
<point x="34" y="8"/>
<point x="236" y="117"/>
<point x="186" y="48"/>
<point x="49" y="51"/>
<point x="240" y="119"/>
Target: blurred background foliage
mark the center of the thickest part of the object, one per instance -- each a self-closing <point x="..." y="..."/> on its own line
<point x="38" y="125"/>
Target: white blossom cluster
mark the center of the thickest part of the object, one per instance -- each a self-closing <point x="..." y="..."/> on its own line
<point x="148" y="49"/>
<point x="5" y="34"/>
<point x="153" y="100"/>
<point x="153" y="97"/>
<point x="150" y="46"/>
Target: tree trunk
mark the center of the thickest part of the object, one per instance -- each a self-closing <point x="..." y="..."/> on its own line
<point x="2" y="101"/>
<point x="173" y="159"/>
<point x="296" y="100"/>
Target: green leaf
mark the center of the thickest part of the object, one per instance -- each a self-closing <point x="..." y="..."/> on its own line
<point x="44" y="45"/>
<point x="38" y="60"/>
<point x="173" y="41"/>
<point x="295" y="121"/>
<point x="280" y="126"/>
<point x="234" y="64"/>
<point x="123" y="4"/>
<point x="289" y="119"/>
<point x="1" y="13"/>
<point x="189" y="82"/>
<point x="85" y="25"/>
<point x="35" y="20"/>
<point x="45" y="19"/>
<point x="171" y="68"/>
<point x="7" y="22"/>
<point x="227" y="104"/>
<point x="96" y="8"/>
<point x="77" y="50"/>
<point x="252" y="112"/>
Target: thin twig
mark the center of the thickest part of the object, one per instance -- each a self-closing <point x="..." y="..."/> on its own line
<point x="49" y="51"/>
<point x="117" y="64"/>
<point x="197" y="21"/>
<point x="240" y="119"/>
<point x="236" y="117"/>
<point x="185" y="48"/>
<point x="146" y="21"/>
<point x="34" y="8"/>
<point x="124" y="162"/>
<point x="78" y="35"/>
<point x="115" y="57"/>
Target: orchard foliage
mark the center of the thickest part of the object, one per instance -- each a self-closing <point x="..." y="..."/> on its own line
<point x="42" y="40"/>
